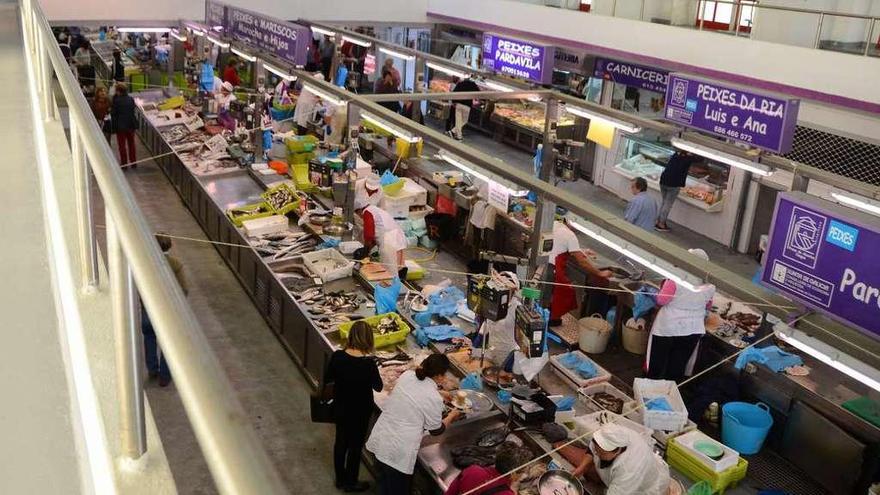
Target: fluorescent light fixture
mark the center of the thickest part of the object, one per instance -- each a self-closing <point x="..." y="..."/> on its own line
<point x="278" y="72"/>
<point x="176" y="35"/>
<point x="720" y="156"/>
<point x="809" y="345"/>
<point x="357" y="41"/>
<point x="496" y="86"/>
<point x="221" y="44"/>
<point x="679" y="280"/>
<point x="857" y="202"/>
<point x="322" y="95"/>
<point x="447" y="70"/>
<point x="390" y="128"/>
<point x="587" y="114"/>
<point x="393" y="53"/>
<point x="197" y="32"/>
<point x="460" y="164"/>
<point x="245" y="56"/>
<point x="323" y="31"/>
<point x="217" y="28"/>
<point x="143" y="29"/>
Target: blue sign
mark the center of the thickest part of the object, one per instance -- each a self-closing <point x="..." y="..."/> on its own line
<point x="638" y="76"/>
<point x="518" y="58"/>
<point x="842" y="235"/>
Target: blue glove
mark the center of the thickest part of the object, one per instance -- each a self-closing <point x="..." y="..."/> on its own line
<point x="386" y="297"/>
<point x="472" y="382"/>
<point x="565" y="403"/>
<point x="658" y="404"/>
<point x="749" y="355"/>
<point x="504" y="397"/>
<point x="330" y="243"/>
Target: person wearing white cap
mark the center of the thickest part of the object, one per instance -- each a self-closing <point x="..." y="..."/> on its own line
<point x="624" y="462"/>
<point x="224" y="97"/>
<point x="678" y="328"/>
<point x="380" y="229"/>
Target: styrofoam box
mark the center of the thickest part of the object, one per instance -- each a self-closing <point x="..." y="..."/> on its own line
<point x="646" y="389"/>
<point x="590" y="422"/>
<point x="571" y="376"/>
<point x="265" y="225"/>
<point x="412" y="194"/>
<point x="344" y="271"/>
<point x="629" y="404"/>
<point x="662" y="436"/>
<point x="727" y="461"/>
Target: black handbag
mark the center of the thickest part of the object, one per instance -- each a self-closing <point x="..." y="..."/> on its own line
<point x="322" y="405"/>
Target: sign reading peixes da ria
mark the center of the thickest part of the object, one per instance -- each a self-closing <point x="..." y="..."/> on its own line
<point x="284" y="39"/>
<point x="518" y="58"/>
<point x="629" y="74"/>
<point x="757" y="119"/>
<point x="825" y="256"/>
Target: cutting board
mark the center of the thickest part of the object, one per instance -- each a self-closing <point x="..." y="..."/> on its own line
<point x="374" y="272"/>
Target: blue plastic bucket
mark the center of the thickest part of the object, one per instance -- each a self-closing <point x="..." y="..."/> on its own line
<point x="744" y="426"/>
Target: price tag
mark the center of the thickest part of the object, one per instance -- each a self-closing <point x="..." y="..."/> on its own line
<point x="499" y="196"/>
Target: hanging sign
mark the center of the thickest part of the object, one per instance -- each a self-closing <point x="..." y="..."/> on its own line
<point x="284" y="39"/>
<point x="215" y="14"/>
<point x="638" y="76"/>
<point x="825" y="256"/>
<point x="369" y="64"/>
<point x="499" y="196"/>
<point x="572" y="61"/>
<point x="753" y="118"/>
<point x="518" y="58"/>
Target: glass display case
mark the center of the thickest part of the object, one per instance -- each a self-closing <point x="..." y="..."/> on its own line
<point x="646" y="155"/>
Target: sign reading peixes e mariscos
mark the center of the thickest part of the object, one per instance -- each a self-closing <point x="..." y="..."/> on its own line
<point x="761" y="120"/>
<point x="825" y="256"/>
<point x="286" y="40"/>
<point x="518" y="58"/>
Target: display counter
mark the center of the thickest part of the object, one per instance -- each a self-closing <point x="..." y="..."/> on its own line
<point x="104" y="65"/>
<point x="310" y="339"/>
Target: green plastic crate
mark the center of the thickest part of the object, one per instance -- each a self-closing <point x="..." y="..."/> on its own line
<point x="299" y="172"/>
<point x="696" y="471"/>
<point x="286" y="208"/>
<point x="264" y="211"/>
<point x="864" y="408"/>
<point x="388" y="339"/>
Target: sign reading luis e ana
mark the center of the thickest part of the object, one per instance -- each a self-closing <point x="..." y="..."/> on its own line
<point x="757" y="119"/>
<point x="825" y="256"/>
<point x="284" y="39"/>
<point x="518" y="58"/>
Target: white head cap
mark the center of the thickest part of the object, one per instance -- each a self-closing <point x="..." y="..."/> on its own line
<point x="361" y="197"/>
<point x="699" y="253"/>
<point x="372" y="182"/>
<point x="611" y="437"/>
<point x="228" y="86"/>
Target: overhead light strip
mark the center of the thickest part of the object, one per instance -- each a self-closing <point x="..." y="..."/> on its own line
<point x="322" y="95"/>
<point x="392" y="53"/>
<point x="197" y="32"/>
<point x="390" y="128"/>
<point x="176" y="35"/>
<point x="279" y="72"/>
<point x="496" y="86"/>
<point x="249" y="58"/>
<point x="460" y="164"/>
<point x="447" y="70"/>
<point x="221" y="44"/>
<point x="143" y="29"/>
<point x="720" y="156"/>
<point x="863" y="204"/>
<point x="357" y="41"/>
<point x="587" y="114"/>
<point x="801" y="342"/>
<point x="679" y="279"/>
<point x="323" y="31"/>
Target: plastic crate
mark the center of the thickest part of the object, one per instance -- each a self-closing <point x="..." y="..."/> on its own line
<point x="299" y="172"/>
<point x="679" y="459"/>
<point x="602" y="374"/>
<point x="262" y="210"/>
<point x="589" y="423"/>
<point x="646" y="389"/>
<point x="687" y="441"/>
<point x="310" y="260"/>
<point x="385" y="340"/>
<point x="284" y="210"/>
<point x="629" y="403"/>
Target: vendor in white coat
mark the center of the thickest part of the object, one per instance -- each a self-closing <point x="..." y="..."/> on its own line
<point x="224" y="97"/>
<point x="413" y="408"/>
<point x="380" y="229"/>
<point x="678" y="328"/>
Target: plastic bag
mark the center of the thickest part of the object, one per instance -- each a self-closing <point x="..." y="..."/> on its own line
<point x="437" y="333"/>
<point x="504" y="397"/>
<point x="701" y="488"/>
<point x="658" y="404"/>
<point x="565" y="403"/>
<point x="644" y="301"/>
<point x="444" y="302"/>
<point x="386" y="297"/>
<point x="586" y="369"/>
<point x="388" y="178"/>
<point x="570" y="360"/>
<point x="472" y="382"/>
<point x="332" y="243"/>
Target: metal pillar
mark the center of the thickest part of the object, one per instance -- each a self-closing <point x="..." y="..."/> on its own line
<point x="800" y="183"/>
<point x="546" y="209"/>
<point x="870" y="29"/>
<point x="701" y="13"/>
<point x="132" y="432"/>
<point x="88" y="251"/>
<point x="819" y="30"/>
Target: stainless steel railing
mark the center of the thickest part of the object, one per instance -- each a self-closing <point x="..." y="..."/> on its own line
<point x="237" y="460"/>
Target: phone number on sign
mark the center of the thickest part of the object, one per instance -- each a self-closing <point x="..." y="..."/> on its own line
<point x="734" y="134"/>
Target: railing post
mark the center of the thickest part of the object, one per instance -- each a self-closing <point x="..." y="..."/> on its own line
<point x="870" y="30"/>
<point x="702" y="13"/>
<point x="88" y="251"/>
<point x="46" y="68"/>
<point x="642" y="11"/>
<point x="614" y="9"/>
<point x="819" y="29"/>
<point x="132" y="430"/>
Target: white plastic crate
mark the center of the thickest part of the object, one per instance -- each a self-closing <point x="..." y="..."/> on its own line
<point x="628" y="402"/>
<point x="729" y="459"/>
<point x="310" y="260"/>
<point x="265" y="225"/>
<point x="577" y="380"/>
<point x="645" y="390"/>
<point x="662" y="436"/>
<point x="591" y="422"/>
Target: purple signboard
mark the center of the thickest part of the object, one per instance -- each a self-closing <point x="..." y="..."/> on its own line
<point x="753" y="118"/>
<point x="215" y="14"/>
<point x="629" y="74"/>
<point x="284" y="39"/>
<point x="518" y="58"/>
<point x="825" y="256"/>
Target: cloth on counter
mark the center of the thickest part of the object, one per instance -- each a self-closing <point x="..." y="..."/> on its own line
<point x="329" y="242"/>
<point x="565" y="403"/>
<point x="570" y="360"/>
<point x="658" y="404"/>
<point x="386" y="297"/>
<point x="444" y="302"/>
<point x="583" y="367"/>
<point x="587" y="369"/>
<point x="472" y="381"/>
<point x="483" y="215"/>
<point x="772" y="357"/>
<point x="644" y="300"/>
<point x="437" y="333"/>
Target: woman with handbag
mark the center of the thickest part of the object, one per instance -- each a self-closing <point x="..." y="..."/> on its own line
<point x="353" y="376"/>
<point x="101" y="109"/>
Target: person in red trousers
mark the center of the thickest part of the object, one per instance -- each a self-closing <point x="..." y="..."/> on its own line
<point x="124" y="123"/>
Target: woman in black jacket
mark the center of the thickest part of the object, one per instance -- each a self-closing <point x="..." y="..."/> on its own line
<point x="124" y="123"/>
<point x="354" y="376"/>
<point x="118" y="68"/>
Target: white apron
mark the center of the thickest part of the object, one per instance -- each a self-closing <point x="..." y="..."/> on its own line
<point x="684" y="315"/>
<point x="636" y="471"/>
<point x="389" y="237"/>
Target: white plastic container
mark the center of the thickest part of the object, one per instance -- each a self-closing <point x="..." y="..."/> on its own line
<point x="589" y="423"/>
<point x="593" y="334"/>
<point x="602" y="375"/>
<point x="687" y="441"/>
<point x="645" y="389"/>
<point x="629" y="404"/>
<point x="265" y="225"/>
<point x="310" y="261"/>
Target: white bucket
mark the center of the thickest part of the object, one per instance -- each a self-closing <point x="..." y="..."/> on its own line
<point x="594" y="334"/>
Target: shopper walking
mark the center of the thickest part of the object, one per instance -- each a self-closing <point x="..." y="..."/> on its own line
<point x="118" y="68"/>
<point x="415" y="406"/>
<point x="327" y="48"/>
<point x="124" y="122"/>
<point x="642" y="209"/>
<point x="678" y="328"/>
<point x="671" y="181"/>
<point x="462" y="108"/>
<point x="100" y="105"/>
<point x="157" y="366"/>
<point x="354" y="376"/>
<point x="386" y="86"/>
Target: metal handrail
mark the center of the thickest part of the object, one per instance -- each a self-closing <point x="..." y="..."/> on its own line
<point x="235" y="456"/>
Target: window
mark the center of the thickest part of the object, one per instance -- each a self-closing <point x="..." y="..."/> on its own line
<point x="723" y="15"/>
<point x="585" y="5"/>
